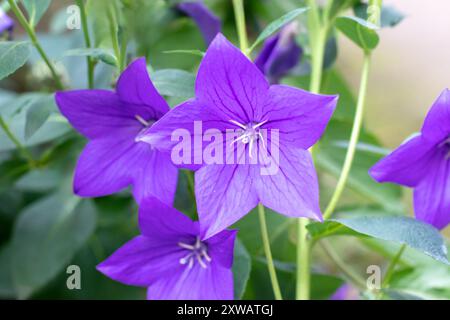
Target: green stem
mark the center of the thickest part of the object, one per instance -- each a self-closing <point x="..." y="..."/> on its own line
<point x="32" y="34"/>
<point x="87" y="40"/>
<point x="24" y="151"/>
<point x="350" y="274"/>
<point x="238" y="6"/>
<point x="191" y="186"/>
<point x="115" y="36"/>
<point x="268" y="253"/>
<point x="357" y="123"/>
<point x="303" y="261"/>
<point x="391" y="268"/>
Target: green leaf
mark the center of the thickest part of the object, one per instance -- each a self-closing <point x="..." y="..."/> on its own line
<point x="241" y="269"/>
<point x="36" y="9"/>
<point x="46" y="236"/>
<point x="38" y="113"/>
<point x="6" y="284"/>
<point x="193" y="52"/>
<point x="414" y="233"/>
<point x="15" y="115"/>
<point x="13" y="55"/>
<point x="400" y="295"/>
<point x="359" y="31"/>
<point x="277" y="24"/>
<point x="174" y="83"/>
<point x="103" y="55"/>
<point x="390" y="16"/>
<point x="318" y="230"/>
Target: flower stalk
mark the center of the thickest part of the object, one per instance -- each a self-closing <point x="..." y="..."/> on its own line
<point x="87" y="40"/>
<point x="238" y="6"/>
<point x="32" y="34"/>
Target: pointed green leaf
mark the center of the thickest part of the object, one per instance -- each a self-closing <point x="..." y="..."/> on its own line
<point x="359" y="31"/>
<point x="103" y="55"/>
<point x="174" y="83"/>
<point x="36" y="9"/>
<point x="13" y="55"/>
<point x="276" y="25"/>
<point x="241" y="269"/>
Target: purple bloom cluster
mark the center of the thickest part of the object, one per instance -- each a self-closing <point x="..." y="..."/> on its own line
<point x="129" y="134"/>
<point x="423" y="163"/>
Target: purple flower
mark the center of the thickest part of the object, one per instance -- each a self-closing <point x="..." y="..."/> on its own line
<point x="232" y="94"/>
<point x="280" y="54"/>
<point x="208" y="23"/>
<point x="114" y="159"/>
<point x="345" y="292"/>
<point x="6" y="23"/>
<point x="170" y="258"/>
<point x="423" y="163"/>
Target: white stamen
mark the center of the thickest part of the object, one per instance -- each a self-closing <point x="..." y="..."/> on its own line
<point x="144" y="122"/>
<point x="198" y="252"/>
<point x="238" y="124"/>
<point x="250" y="134"/>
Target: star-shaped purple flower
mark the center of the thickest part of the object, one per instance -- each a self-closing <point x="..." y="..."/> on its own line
<point x="114" y="159"/>
<point x="6" y="23"/>
<point x="233" y="94"/>
<point x="170" y="258"/>
<point x="280" y="54"/>
<point x="423" y="163"/>
<point x="208" y="23"/>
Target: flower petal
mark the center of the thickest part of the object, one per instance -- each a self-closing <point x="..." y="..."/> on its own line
<point x="407" y="165"/>
<point x="436" y="127"/>
<point x="224" y="193"/>
<point x="155" y="176"/>
<point x="142" y="261"/>
<point x="301" y="117"/>
<point x="432" y="196"/>
<point x="107" y="166"/>
<point x="291" y="189"/>
<point x="221" y="247"/>
<point x="185" y="117"/>
<point x="229" y="82"/>
<point x="135" y="87"/>
<point x="208" y="23"/>
<point x="158" y="220"/>
<point x="212" y="283"/>
<point x="95" y="113"/>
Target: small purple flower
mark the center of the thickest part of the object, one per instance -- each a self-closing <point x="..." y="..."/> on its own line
<point x="233" y="94"/>
<point x="280" y="54"/>
<point x="423" y="163"/>
<point x="345" y="292"/>
<point x="171" y="259"/>
<point x="114" y="159"/>
<point x="208" y="23"/>
<point x="6" y="23"/>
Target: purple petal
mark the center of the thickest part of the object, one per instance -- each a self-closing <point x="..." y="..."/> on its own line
<point x="345" y="292"/>
<point x="266" y="52"/>
<point x="183" y="117"/>
<point x="224" y="193"/>
<point x="436" y="127"/>
<point x="142" y="261"/>
<point x="96" y="113"/>
<point x="208" y="23"/>
<point x="107" y="166"/>
<point x="158" y="220"/>
<point x="407" y="165"/>
<point x="154" y="176"/>
<point x="134" y="87"/>
<point x="230" y="83"/>
<point x="212" y="283"/>
<point x="432" y="196"/>
<point x="221" y="247"/>
<point x="301" y="117"/>
<point x="292" y="189"/>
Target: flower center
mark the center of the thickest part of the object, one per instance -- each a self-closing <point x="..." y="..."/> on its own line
<point x="196" y="252"/>
<point x="249" y="133"/>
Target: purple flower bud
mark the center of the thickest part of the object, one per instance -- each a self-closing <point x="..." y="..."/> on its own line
<point x="280" y="53"/>
<point x="208" y="23"/>
<point x="6" y="24"/>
